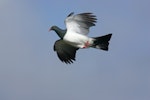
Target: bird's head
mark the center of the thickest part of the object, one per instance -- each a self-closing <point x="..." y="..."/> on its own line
<point x="60" y="32"/>
<point x="52" y="28"/>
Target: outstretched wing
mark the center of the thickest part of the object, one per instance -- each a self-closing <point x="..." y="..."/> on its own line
<point x="80" y="23"/>
<point x="66" y="53"/>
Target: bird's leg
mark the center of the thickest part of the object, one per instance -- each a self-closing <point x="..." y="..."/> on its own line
<point x="86" y="44"/>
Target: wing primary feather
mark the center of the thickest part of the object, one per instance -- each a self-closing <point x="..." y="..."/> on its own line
<point x="70" y="14"/>
<point x="80" y="23"/>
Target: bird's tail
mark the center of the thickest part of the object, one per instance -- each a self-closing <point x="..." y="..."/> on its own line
<point x="102" y="42"/>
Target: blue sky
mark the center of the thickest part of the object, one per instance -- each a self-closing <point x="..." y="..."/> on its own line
<point x="30" y="69"/>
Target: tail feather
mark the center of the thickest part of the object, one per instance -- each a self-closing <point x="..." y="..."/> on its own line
<point x="102" y="42"/>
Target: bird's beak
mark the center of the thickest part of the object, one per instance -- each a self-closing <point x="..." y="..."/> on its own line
<point x="49" y="29"/>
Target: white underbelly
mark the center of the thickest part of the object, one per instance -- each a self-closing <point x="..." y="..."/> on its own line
<point x="77" y="40"/>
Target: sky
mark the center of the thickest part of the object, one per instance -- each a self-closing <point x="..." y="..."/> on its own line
<point x="31" y="70"/>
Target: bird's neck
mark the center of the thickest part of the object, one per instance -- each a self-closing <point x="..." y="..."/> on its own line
<point x="60" y="32"/>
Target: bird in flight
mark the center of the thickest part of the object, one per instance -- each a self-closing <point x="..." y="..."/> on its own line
<point x="75" y="36"/>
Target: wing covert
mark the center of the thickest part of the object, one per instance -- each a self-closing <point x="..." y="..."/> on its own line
<point x="65" y="52"/>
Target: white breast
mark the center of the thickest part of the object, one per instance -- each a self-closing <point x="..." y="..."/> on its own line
<point x="77" y="40"/>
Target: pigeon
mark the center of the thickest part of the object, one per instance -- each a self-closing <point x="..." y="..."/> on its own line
<point x="75" y="36"/>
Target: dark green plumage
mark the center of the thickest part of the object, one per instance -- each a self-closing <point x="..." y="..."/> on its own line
<point x="65" y="52"/>
<point x="60" y="32"/>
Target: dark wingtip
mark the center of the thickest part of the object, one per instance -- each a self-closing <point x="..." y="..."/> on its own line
<point x="68" y="61"/>
<point x="70" y="14"/>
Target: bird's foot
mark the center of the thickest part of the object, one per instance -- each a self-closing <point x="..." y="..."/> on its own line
<point x="86" y="45"/>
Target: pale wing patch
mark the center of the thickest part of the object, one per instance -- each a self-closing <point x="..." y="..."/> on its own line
<point x="80" y="23"/>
